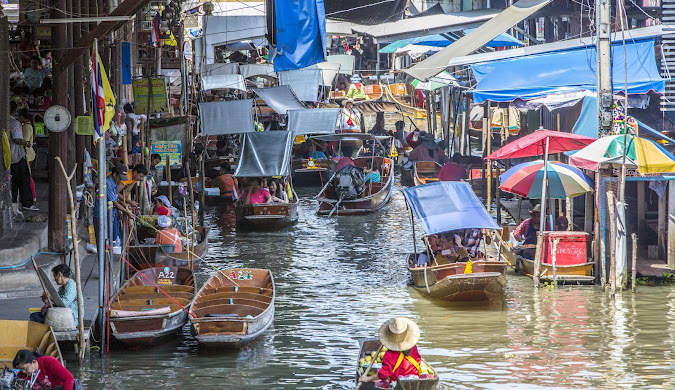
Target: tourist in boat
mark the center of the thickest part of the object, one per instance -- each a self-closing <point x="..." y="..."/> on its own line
<point x="414" y="139"/>
<point x="277" y="193"/>
<point x="43" y="372"/>
<point x="372" y="173"/>
<point x="255" y="193"/>
<point x="227" y="183"/>
<point x="167" y="234"/>
<point x="355" y="90"/>
<point x="378" y="128"/>
<point x="428" y="150"/>
<point x="346" y="157"/>
<point x="350" y="117"/>
<point x="453" y="171"/>
<point x="401" y="359"/>
<point x="471" y="241"/>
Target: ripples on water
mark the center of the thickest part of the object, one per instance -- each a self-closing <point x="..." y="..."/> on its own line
<point x="338" y="279"/>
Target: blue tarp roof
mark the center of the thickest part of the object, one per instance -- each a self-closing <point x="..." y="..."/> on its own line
<point x="439" y="40"/>
<point x="564" y="72"/>
<point x="301" y="34"/>
<point x="448" y="205"/>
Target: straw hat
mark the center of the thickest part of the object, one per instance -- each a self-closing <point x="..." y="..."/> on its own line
<point x="428" y="141"/>
<point x="60" y="319"/>
<point x="399" y="334"/>
<point x="163" y="221"/>
<point x="350" y="100"/>
<point x="536" y="209"/>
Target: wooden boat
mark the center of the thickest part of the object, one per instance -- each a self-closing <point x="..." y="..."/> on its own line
<point x="141" y="314"/>
<point x="367" y="347"/>
<point x="374" y="197"/>
<point x="263" y="216"/>
<point x="566" y="274"/>
<point x="152" y="255"/>
<point x="420" y="172"/>
<point x="233" y="308"/>
<point x="33" y="336"/>
<point x="315" y="174"/>
<point x="450" y="283"/>
<point x="374" y="92"/>
<point x="403" y="95"/>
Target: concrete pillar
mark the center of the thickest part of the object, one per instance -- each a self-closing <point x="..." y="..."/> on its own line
<point x="671" y="224"/>
<point x="641" y="206"/>
<point x="661" y="231"/>
<point x="6" y="215"/>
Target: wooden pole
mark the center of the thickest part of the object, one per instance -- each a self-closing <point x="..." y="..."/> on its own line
<point x="498" y="195"/>
<point x="602" y="260"/>
<point x="554" y="257"/>
<point x="537" y="258"/>
<point x="488" y="151"/>
<point x="466" y="118"/>
<point x="633" y="281"/>
<point x="168" y="179"/>
<point x="570" y="213"/>
<point x="433" y="110"/>
<point x="192" y="195"/>
<point x="612" y="242"/>
<point x="661" y="234"/>
<point x="202" y="171"/>
<point x="76" y="254"/>
<point x="519" y="209"/>
<point x="427" y="100"/>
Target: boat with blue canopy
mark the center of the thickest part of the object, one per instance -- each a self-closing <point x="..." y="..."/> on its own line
<point x="453" y="264"/>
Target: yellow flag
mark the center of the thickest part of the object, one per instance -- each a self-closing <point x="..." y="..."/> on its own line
<point x="109" y="98"/>
<point x="171" y="41"/>
<point x="469" y="268"/>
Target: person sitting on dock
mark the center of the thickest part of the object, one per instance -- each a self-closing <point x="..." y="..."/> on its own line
<point x="67" y="292"/>
<point x="453" y="171"/>
<point x="255" y="193"/>
<point x="428" y="150"/>
<point x="42" y="372"/>
<point x="227" y="183"/>
<point x="167" y="234"/>
<point x="401" y="359"/>
<point x="371" y="172"/>
<point x="277" y="193"/>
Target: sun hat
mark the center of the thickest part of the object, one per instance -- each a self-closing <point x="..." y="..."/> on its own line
<point x="350" y="100"/>
<point x="164" y="200"/>
<point x="428" y="141"/>
<point x="355" y="78"/>
<point x="536" y="209"/>
<point x="163" y="221"/>
<point x="399" y="334"/>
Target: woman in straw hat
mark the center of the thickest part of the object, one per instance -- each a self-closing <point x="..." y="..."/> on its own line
<point x="399" y="336"/>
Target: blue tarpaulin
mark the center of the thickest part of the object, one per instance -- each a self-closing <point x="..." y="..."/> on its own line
<point x="448" y="205"/>
<point x="301" y="34"/>
<point x="439" y="40"/>
<point x="564" y="72"/>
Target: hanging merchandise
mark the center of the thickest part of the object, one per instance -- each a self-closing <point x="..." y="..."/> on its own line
<point x="87" y="169"/>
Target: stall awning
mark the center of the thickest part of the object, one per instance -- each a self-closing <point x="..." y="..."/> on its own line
<point x="226" y="117"/>
<point x="317" y="121"/>
<point x="219" y="69"/>
<point x="565" y="72"/>
<point x="440" y="40"/>
<point x="250" y="70"/>
<point x="471" y="42"/>
<point x="448" y="205"/>
<point x="224" y="81"/>
<point x="265" y="154"/>
<point x="304" y="82"/>
<point x="280" y="99"/>
<point x="328" y="71"/>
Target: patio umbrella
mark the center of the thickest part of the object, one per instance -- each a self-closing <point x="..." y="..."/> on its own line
<point x="648" y="156"/>
<point x="564" y="181"/>
<point x="441" y="80"/>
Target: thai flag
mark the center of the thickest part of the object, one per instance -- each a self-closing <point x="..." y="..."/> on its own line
<point x="98" y="93"/>
<point x="154" y="34"/>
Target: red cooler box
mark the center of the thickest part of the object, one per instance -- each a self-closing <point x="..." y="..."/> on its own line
<point x="571" y="248"/>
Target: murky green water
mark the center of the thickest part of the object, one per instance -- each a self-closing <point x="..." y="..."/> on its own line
<point x="339" y="279"/>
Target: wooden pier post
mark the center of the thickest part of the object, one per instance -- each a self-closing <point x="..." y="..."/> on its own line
<point x="634" y="267"/>
<point x="554" y="257"/>
<point x="537" y="259"/>
<point x="168" y="178"/>
<point x="602" y="260"/>
<point x="498" y="194"/>
<point x="519" y="209"/>
<point x="641" y="207"/>
<point x="661" y="232"/>
<point x="612" y="242"/>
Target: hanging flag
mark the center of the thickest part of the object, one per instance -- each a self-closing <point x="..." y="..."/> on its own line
<point x="102" y="96"/>
<point x="171" y="41"/>
<point x="154" y="34"/>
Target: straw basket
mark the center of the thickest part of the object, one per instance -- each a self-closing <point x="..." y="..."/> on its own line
<point x="60" y="319"/>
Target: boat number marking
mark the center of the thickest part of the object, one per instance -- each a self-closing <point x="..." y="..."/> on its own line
<point x="241" y="275"/>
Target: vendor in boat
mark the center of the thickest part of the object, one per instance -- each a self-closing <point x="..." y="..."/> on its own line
<point x="350" y="117"/>
<point x="400" y="135"/>
<point x="414" y="139"/>
<point x="227" y="183"/>
<point x="67" y="292"/>
<point x="372" y="172"/>
<point x="42" y="372"/>
<point x="428" y="150"/>
<point x="378" y="128"/>
<point x="161" y="206"/>
<point x="167" y="234"/>
<point x="277" y="193"/>
<point x="255" y="193"/>
<point x="453" y="171"/>
<point x="561" y="223"/>
<point x="401" y="359"/>
<point x="355" y="90"/>
<point x="526" y="232"/>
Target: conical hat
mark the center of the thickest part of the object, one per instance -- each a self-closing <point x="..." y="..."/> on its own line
<point x="399" y="334"/>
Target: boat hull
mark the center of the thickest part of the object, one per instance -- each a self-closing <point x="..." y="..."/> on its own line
<point x="145" y="331"/>
<point x="266" y="216"/>
<point x="17" y="335"/>
<point x="250" y="332"/>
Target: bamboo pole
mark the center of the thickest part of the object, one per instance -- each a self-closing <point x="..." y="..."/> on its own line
<point x="498" y="195"/>
<point x="168" y="178"/>
<point x="488" y="151"/>
<point x="612" y="242"/>
<point x="76" y="254"/>
<point x="537" y="258"/>
<point x="202" y="171"/>
<point x="570" y="213"/>
<point x="633" y="284"/>
<point x="602" y="260"/>
<point x="554" y="257"/>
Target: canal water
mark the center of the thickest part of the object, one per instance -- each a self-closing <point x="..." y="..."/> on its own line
<point x="338" y="279"/>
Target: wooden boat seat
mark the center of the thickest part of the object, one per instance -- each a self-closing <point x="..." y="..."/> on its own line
<point x="153" y="295"/>
<point x="254" y="290"/>
<point x="167" y="288"/>
<point x="159" y="301"/>
<point x="372" y="188"/>
<point x="241" y="310"/>
<point x="221" y="327"/>
<point x="234" y="301"/>
<point x="173" y="307"/>
<point x="233" y="295"/>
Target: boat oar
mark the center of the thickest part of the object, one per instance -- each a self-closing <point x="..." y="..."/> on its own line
<point x="335" y="208"/>
<point x="327" y="183"/>
<point x="370" y="365"/>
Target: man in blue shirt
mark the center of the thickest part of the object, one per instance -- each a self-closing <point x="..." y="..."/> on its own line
<point x="117" y="174"/>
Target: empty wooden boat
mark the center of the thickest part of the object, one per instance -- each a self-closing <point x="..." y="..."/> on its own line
<point x="233" y="308"/>
<point x="33" y="336"/>
<point x="425" y="172"/>
<point x="142" y="314"/>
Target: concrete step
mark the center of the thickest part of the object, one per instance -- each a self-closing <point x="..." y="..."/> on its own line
<point x="23" y="281"/>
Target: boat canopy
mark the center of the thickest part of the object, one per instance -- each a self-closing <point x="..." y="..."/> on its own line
<point x="250" y="70"/>
<point x="448" y="205"/>
<point x="443" y="40"/>
<point x="304" y="82"/>
<point x="226" y="117"/>
<point x="350" y="137"/>
<point x="224" y="81"/>
<point x="375" y="106"/>
<point x="565" y="72"/>
<point x="265" y="153"/>
<point x="317" y="121"/>
<point x="280" y="99"/>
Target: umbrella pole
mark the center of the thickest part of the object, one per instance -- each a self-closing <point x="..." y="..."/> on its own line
<point x="542" y="219"/>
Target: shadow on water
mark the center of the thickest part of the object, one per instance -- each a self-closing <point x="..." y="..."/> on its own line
<point x="339" y="279"/>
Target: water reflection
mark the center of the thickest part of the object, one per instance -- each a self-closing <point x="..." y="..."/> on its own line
<point x="338" y="279"/>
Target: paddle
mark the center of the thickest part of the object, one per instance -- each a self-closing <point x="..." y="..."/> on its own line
<point x="335" y="208"/>
<point x="370" y="365"/>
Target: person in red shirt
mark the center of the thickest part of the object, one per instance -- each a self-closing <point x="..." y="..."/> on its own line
<point x="42" y="372"/>
<point x="227" y="183"/>
<point x="399" y="336"/>
<point x="453" y="171"/>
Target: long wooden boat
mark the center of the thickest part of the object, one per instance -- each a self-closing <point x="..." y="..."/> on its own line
<point x="261" y="216"/>
<point x="374" y="92"/>
<point x="141" y="314"/>
<point x="233" y="308"/>
<point x="566" y="274"/>
<point x="450" y="283"/>
<point x="33" y="336"/>
<point x="367" y="347"/>
<point x="153" y="255"/>
<point x="317" y="173"/>
<point x="416" y="173"/>
<point x="374" y="197"/>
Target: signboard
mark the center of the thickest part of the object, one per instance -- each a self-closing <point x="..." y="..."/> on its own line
<point x="159" y="101"/>
<point x="168" y="148"/>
